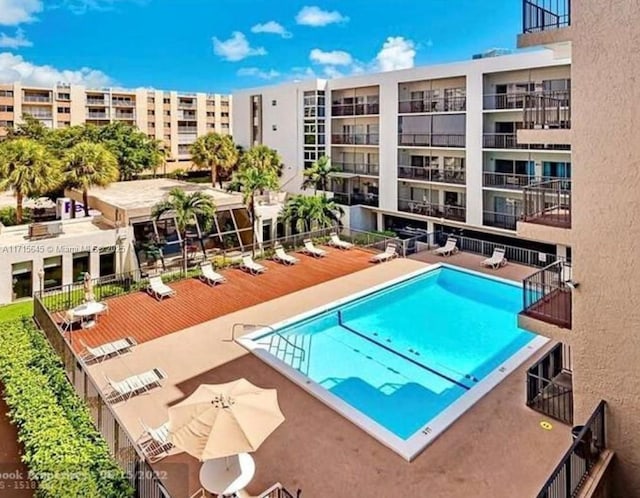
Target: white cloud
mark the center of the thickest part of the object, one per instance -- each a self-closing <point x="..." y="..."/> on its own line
<point x="316" y="17"/>
<point x="396" y="53"/>
<point x="14" y="12"/>
<point x="17" y="41"/>
<point x="83" y="6"/>
<point x="235" y="48"/>
<point x="258" y="73"/>
<point x="272" y="28"/>
<point x="16" y="68"/>
<point x="334" y="58"/>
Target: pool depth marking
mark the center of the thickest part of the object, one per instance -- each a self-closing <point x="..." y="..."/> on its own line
<point x="397" y="353"/>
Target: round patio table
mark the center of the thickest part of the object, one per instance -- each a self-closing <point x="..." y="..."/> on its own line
<point x="87" y="310"/>
<point x="225" y="476"/>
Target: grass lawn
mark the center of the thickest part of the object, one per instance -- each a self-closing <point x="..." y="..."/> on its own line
<point x="16" y="310"/>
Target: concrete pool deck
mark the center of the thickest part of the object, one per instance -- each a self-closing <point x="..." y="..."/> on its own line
<point x="496" y="449"/>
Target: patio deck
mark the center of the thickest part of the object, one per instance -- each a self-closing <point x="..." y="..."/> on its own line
<point x="144" y="318"/>
<point x="497" y="449"/>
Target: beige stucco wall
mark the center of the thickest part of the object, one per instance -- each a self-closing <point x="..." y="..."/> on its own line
<point x="606" y="225"/>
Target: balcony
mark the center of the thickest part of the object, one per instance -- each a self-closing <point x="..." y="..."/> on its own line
<point x="125" y="115"/>
<point x="355" y="139"/>
<point x="431" y="140"/>
<point x="510" y="141"/>
<point x="40" y="99"/>
<point x="548" y="203"/>
<point x="187" y="105"/>
<point x="550" y="385"/>
<point x="358" y="168"/>
<point x="547" y="118"/>
<point x="506" y="221"/>
<point x="545" y="22"/>
<point x="340" y="110"/>
<point x="454" y="213"/>
<point x="504" y="101"/>
<point x="355" y="199"/>
<point x="457" y="177"/>
<point x="506" y="180"/>
<point x="547" y="296"/>
<point x="187" y="130"/>
<point x="123" y="103"/>
<point x="97" y="115"/>
<point x="444" y="104"/>
<point x="38" y="115"/>
<point x="96" y="101"/>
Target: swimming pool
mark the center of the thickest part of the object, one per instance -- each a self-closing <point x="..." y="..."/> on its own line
<point x="405" y="359"/>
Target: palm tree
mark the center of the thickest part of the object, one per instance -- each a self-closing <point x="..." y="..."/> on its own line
<point x="264" y="159"/>
<point x="251" y="180"/>
<point x="28" y="169"/>
<point x="318" y="175"/>
<point x="215" y="152"/>
<point x="312" y="212"/>
<point x="185" y="208"/>
<point x="87" y="165"/>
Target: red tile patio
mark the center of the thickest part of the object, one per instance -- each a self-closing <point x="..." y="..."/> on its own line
<point x="142" y="317"/>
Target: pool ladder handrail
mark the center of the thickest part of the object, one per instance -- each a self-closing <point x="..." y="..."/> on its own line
<point x="275" y="333"/>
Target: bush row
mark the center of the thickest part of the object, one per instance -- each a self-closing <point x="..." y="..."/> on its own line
<point x="65" y="453"/>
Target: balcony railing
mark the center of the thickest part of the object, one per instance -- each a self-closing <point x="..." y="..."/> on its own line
<point x="354" y="199"/>
<point x="431" y="140"/>
<point x="355" y="139"/>
<point x="544" y="15"/>
<point x="589" y="441"/>
<point x="455" y="213"/>
<point x="96" y="101"/>
<point x="39" y="115"/>
<point x="457" y="177"/>
<point x="510" y="141"/>
<point x="547" y="296"/>
<point x="97" y="115"/>
<point x="550" y="386"/>
<point x="123" y="103"/>
<point x="548" y="203"/>
<point x="358" y="168"/>
<point x="497" y="101"/>
<point x="497" y="219"/>
<point x="548" y="110"/>
<point x="187" y="130"/>
<point x="37" y="98"/>
<point x="187" y="105"/>
<point x="443" y="104"/>
<point x="354" y="109"/>
<point x="507" y="180"/>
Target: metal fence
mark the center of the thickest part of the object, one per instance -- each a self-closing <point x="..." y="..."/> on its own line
<point x="142" y="477"/>
<point x="547" y="295"/>
<point x="544" y="15"/>
<point x="547" y="389"/>
<point x="548" y="109"/>
<point x="571" y="473"/>
<point x="548" y="203"/>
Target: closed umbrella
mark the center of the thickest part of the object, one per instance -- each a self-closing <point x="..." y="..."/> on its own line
<point x="88" y="288"/>
<point x="224" y="419"/>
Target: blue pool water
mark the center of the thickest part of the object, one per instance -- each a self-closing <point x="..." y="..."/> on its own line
<point x="405" y="353"/>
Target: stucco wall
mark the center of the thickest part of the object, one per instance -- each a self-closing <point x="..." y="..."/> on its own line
<point x="606" y="225"/>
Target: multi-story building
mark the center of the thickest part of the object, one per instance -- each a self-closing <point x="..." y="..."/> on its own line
<point x="429" y="148"/>
<point x="175" y="118"/>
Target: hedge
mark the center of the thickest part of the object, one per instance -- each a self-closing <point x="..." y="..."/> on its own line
<point x="65" y="453"/>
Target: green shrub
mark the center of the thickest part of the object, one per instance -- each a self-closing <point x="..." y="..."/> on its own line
<point x="8" y="216"/>
<point x="65" y="453"/>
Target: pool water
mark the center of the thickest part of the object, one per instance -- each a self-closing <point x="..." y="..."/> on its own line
<point x="403" y="354"/>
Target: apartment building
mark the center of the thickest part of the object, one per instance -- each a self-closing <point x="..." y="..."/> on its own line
<point x="429" y="148"/>
<point x="175" y="118"/>
<point x="594" y="313"/>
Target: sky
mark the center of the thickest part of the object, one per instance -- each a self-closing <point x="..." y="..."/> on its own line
<point x="218" y="46"/>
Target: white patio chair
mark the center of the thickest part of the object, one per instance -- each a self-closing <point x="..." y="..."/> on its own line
<point x="209" y="276"/>
<point x="389" y="253"/>
<point x="69" y="320"/>
<point x="158" y="289"/>
<point x="135" y="383"/>
<point x="155" y="443"/>
<point x="497" y="260"/>
<point x="312" y="250"/>
<point x="335" y="241"/>
<point x="104" y="351"/>
<point x="282" y="257"/>
<point x="449" y="248"/>
<point x="248" y="264"/>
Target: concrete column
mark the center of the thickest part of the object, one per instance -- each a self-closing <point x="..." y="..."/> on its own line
<point x="78" y="104"/>
<point x="94" y="263"/>
<point x="380" y="221"/>
<point x="474" y="130"/>
<point x="67" y="269"/>
<point x="388" y="149"/>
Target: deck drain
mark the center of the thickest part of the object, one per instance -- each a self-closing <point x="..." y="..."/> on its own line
<point x="502" y="370"/>
<point x="426" y="431"/>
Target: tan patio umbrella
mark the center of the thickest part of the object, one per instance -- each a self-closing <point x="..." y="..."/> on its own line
<point x="88" y="287"/>
<point x="224" y="419"/>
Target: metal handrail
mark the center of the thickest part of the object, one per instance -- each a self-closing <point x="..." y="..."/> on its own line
<point x="268" y="327"/>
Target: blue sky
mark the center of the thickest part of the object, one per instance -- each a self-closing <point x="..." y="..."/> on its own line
<point x="222" y="45"/>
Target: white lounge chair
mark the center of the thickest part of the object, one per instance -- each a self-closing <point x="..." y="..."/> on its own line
<point x="497" y="260"/>
<point x="69" y="320"/>
<point x="248" y="264"/>
<point x="209" y="276"/>
<point x="312" y="250"/>
<point x="335" y="241"/>
<point x="282" y="257"/>
<point x="135" y="383"/>
<point x="104" y="351"/>
<point x="155" y="443"/>
<point x="449" y="248"/>
<point x="271" y="491"/>
<point x="389" y="253"/>
<point x="158" y="289"/>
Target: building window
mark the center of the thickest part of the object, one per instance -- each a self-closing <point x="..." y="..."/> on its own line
<point x="6" y="108"/>
<point x="80" y="265"/>
<point x="64" y="110"/>
<point x="167" y="112"/>
<point x="151" y="112"/>
<point x="224" y="114"/>
<point x="166" y="101"/>
<point x="6" y="93"/>
<point x="22" y="279"/>
<point x="6" y="124"/>
<point x="64" y="96"/>
<point x="64" y="124"/>
<point x="107" y="261"/>
<point x="52" y="273"/>
<point x="211" y="114"/>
